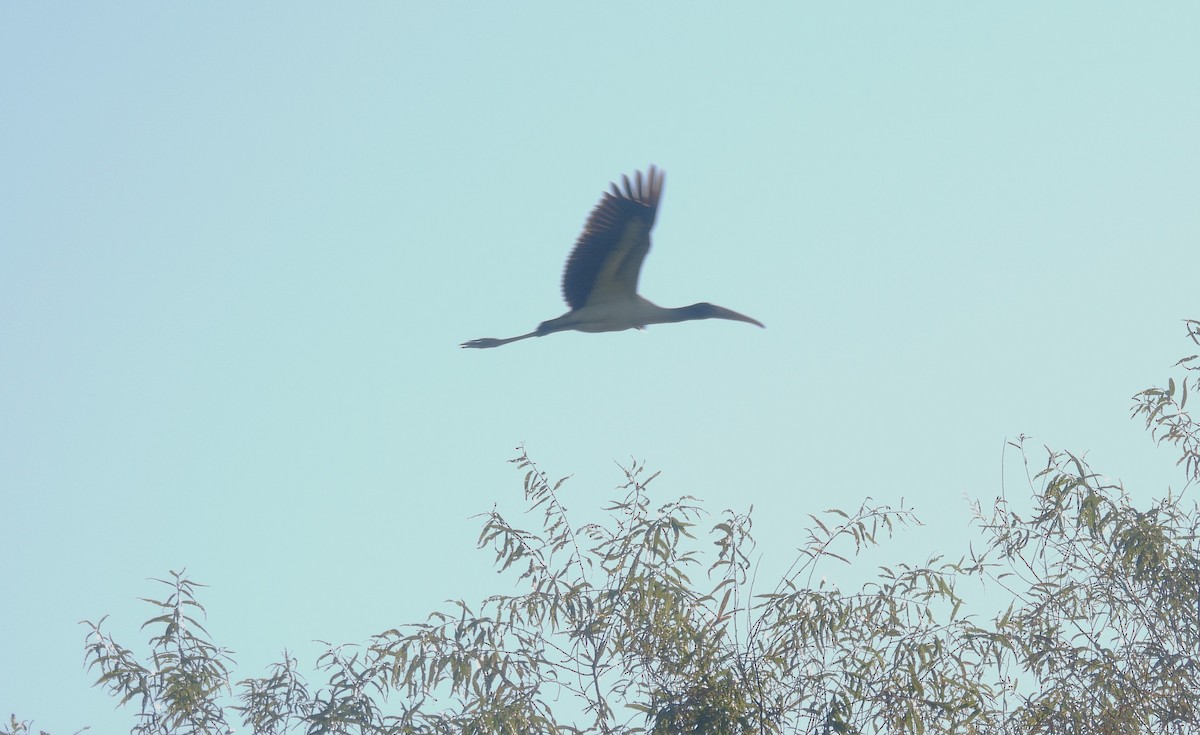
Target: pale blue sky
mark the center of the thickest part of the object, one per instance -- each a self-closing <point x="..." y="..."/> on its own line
<point x="239" y="245"/>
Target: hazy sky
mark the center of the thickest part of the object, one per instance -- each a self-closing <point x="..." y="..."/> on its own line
<point x="239" y="246"/>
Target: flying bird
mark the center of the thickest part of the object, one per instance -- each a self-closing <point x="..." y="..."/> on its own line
<point x="601" y="277"/>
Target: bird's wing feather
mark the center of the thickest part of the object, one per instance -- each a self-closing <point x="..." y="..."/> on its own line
<point x="607" y="258"/>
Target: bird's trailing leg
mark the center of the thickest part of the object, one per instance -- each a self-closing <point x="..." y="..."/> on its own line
<point x="485" y="342"/>
<point x="560" y="324"/>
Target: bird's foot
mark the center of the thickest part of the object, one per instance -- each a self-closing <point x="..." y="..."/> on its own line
<point x="482" y="343"/>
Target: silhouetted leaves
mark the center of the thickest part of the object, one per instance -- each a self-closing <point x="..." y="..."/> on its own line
<point x="649" y="622"/>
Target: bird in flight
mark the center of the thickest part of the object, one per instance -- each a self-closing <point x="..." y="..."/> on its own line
<point x="601" y="277"/>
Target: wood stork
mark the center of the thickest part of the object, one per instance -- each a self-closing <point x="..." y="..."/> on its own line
<point x="600" y="280"/>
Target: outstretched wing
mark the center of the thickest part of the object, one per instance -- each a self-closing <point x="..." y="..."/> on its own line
<point x="607" y="258"/>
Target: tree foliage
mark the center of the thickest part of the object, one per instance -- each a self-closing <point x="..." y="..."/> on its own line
<point x="18" y="727"/>
<point x="178" y="686"/>
<point x="652" y="622"/>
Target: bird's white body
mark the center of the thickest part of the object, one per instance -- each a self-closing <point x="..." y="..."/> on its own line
<point x="611" y="316"/>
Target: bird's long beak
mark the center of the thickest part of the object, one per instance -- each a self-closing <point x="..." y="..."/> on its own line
<point x="720" y="312"/>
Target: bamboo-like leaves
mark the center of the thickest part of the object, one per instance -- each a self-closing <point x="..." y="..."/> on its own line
<point x="614" y="629"/>
<point x="179" y="690"/>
